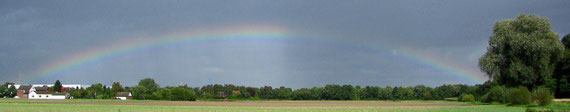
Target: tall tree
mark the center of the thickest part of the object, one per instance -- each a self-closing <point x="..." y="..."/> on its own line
<point x="149" y="84"/>
<point x="95" y="91"/>
<point x="562" y="71"/>
<point x="3" y="90"/>
<point x="11" y="91"/>
<point x="522" y="51"/>
<point x="57" y="86"/>
<point x="117" y="87"/>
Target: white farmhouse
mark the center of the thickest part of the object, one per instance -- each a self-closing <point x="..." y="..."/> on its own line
<point x="124" y="96"/>
<point x="37" y="91"/>
<point x="44" y="93"/>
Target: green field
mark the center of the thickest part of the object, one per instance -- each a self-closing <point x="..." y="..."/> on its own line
<point x="22" y="105"/>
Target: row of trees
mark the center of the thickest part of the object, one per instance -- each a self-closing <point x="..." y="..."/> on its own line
<point x="148" y="89"/>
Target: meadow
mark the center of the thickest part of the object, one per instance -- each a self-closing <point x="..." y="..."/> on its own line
<point x="94" y="105"/>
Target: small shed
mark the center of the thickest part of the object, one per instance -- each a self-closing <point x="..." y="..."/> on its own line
<point x="124" y="96"/>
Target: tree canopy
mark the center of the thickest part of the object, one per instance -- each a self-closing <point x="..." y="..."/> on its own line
<point x="562" y="72"/>
<point x="149" y="84"/>
<point x="57" y="86"/>
<point x="522" y="51"/>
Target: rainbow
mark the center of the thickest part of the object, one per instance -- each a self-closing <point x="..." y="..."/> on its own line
<point x="230" y="33"/>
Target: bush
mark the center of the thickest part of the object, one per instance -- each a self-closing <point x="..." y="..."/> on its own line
<point x="496" y="94"/>
<point x="542" y="96"/>
<point x="467" y="98"/>
<point x="518" y="96"/>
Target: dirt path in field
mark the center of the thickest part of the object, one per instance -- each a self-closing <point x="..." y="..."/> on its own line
<point x="269" y="103"/>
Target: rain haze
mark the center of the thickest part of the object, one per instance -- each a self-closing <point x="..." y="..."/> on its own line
<point x="292" y="43"/>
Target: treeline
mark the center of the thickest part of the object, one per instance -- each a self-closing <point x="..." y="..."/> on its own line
<point x="147" y="89"/>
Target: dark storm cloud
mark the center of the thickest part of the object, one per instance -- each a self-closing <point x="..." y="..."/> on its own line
<point x="34" y="33"/>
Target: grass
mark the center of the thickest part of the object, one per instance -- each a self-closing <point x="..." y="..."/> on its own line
<point x="24" y="105"/>
<point x="556" y="106"/>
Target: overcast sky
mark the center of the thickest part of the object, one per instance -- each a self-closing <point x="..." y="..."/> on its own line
<point x="33" y="34"/>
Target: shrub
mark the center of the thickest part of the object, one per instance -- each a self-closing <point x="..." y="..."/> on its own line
<point x="518" y="96"/>
<point x="467" y="98"/>
<point x="542" y="96"/>
<point x="496" y="94"/>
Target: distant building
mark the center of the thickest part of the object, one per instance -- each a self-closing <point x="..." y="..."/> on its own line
<point x="23" y="91"/>
<point x="124" y="96"/>
<point x="37" y="91"/>
<point x="236" y="92"/>
<point x="222" y="94"/>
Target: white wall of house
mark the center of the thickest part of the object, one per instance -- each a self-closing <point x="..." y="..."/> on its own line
<point x="34" y="95"/>
<point x="45" y="96"/>
<point x="121" y="98"/>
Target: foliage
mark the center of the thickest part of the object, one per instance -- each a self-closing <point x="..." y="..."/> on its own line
<point x="117" y="87"/>
<point x="522" y="51"/>
<point x="182" y="94"/>
<point x="149" y="84"/>
<point x="57" y="86"/>
<point x="446" y="91"/>
<point x="385" y="93"/>
<point x="518" y="96"/>
<point x="96" y="91"/>
<point x="496" y="94"/>
<point x="139" y="92"/>
<point x="7" y="90"/>
<point x="283" y="93"/>
<point x="542" y="96"/>
<point x="370" y="93"/>
<point x="229" y="91"/>
<point x="3" y="90"/>
<point x="562" y="72"/>
<point x="337" y="92"/>
<point x="266" y="92"/>
<point x="467" y="98"/>
<point x="11" y="91"/>
<point x="162" y="94"/>
<point x="302" y="94"/>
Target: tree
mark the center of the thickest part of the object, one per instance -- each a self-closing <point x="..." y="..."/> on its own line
<point x="266" y="92"/>
<point x="96" y="91"/>
<point x="385" y="93"/>
<point x="522" y="51"/>
<point x="302" y="94"/>
<point x="57" y="87"/>
<point x="117" y="87"/>
<point x="333" y="92"/>
<point x="317" y="93"/>
<point x="3" y="90"/>
<point x="149" y="84"/>
<point x="252" y="91"/>
<point x="162" y="94"/>
<point x="562" y="72"/>
<point x="78" y="93"/>
<point x="182" y="94"/>
<point x="283" y="93"/>
<point x="11" y="91"/>
<point x="370" y="93"/>
<point x="518" y="96"/>
<point x="139" y="92"/>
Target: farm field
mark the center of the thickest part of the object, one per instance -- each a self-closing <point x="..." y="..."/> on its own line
<point x="23" y="105"/>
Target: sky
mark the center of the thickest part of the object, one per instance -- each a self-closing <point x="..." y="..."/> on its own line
<point x="292" y="43"/>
